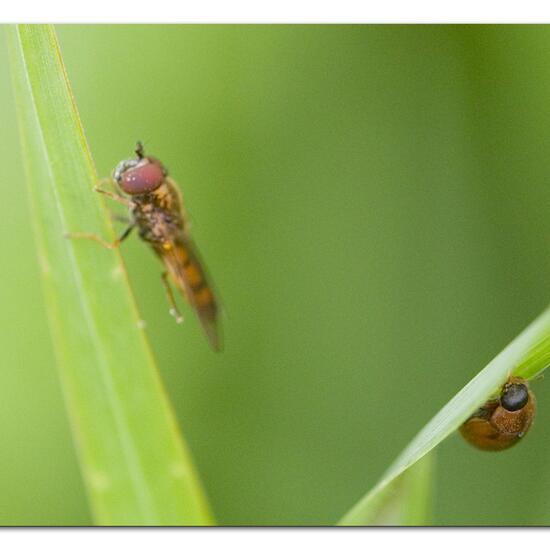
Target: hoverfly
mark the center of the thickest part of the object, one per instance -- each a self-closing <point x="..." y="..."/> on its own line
<point x="156" y="211"/>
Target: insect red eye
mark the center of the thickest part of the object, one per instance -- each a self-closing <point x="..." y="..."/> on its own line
<point x="142" y="179"/>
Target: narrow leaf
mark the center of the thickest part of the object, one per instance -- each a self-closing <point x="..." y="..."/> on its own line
<point x="407" y="501"/>
<point x="527" y="356"/>
<point x="135" y="464"/>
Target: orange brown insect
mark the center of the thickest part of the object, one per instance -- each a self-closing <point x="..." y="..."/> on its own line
<point x="503" y="422"/>
<point x="156" y="210"/>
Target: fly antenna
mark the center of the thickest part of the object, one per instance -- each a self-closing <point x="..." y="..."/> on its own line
<point x="139" y="150"/>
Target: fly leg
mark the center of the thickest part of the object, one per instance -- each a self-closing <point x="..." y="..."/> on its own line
<point x="114" y="196"/>
<point x="92" y="236"/>
<point x="98" y="239"/>
<point x="169" y="294"/>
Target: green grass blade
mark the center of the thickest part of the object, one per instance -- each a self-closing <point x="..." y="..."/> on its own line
<point x="527" y="356"/>
<point x="418" y="499"/>
<point x="135" y="464"/>
<point x="407" y="501"/>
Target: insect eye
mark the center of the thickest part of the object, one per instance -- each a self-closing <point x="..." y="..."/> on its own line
<point x="143" y="178"/>
<point x="514" y="397"/>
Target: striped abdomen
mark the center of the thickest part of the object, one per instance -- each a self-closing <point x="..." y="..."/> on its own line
<point x="185" y="269"/>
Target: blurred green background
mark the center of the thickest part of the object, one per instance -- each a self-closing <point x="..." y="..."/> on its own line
<point x="372" y="202"/>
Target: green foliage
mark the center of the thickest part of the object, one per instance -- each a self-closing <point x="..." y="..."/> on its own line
<point x="527" y="356"/>
<point x="406" y="500"/>
<point x="135" y="465"/>
<point x="372" y="204"/>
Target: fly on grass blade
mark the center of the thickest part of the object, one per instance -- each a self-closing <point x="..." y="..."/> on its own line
<point x="156" y="211"/>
